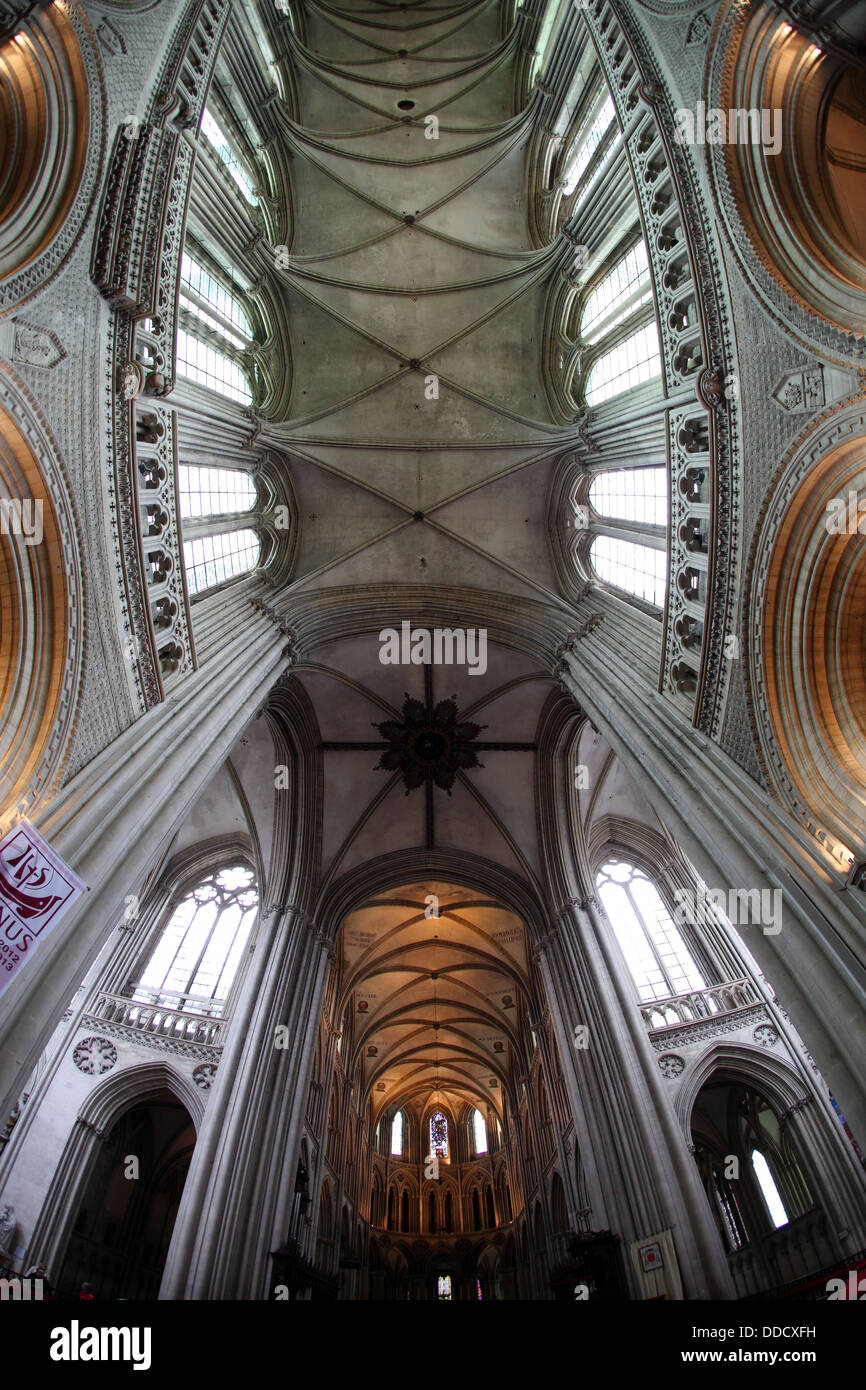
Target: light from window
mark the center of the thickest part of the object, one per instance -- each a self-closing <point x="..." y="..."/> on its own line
<point x="214" y="491"/>
<point x="200" y="362"/>
<point x="769" y="1190"/>
<point x="640" y="570"/>
<point x="443" y="1287"/>
<point x="210" y="560"/>
<point x="617" y="295"/>
<point x="479" y="1131"/>
<point x="216" y="137"/>
<point x="630" y="363"/>
<point x="397" y="1133"/>
<point x="439" y="1135"/>
<point x="587" y="142"/>
<point x="655" y="952"/>
<point x="199" y="281"/>
<point x="200" y="949"/>
<point x="632" y="494"/>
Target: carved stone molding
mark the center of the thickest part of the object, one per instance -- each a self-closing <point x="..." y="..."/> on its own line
<point x="135" y="1037"/>
<point x="94" y="1055"/>
<point x="707" y="1029"/>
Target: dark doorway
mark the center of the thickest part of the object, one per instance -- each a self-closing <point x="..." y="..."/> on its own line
<point x="122" y="1230"/>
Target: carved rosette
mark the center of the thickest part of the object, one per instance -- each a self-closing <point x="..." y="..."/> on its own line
<point x="94" y="1056"/>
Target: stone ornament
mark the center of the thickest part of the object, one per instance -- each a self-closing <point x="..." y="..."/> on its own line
<point x="203" y="1075"/>
<point x="671" y="1065"/>
<point x="94" y="1056"/>
<point x="766" y="1036"/>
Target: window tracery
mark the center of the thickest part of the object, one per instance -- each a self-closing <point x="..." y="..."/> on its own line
<point x="196" y="957"/>
<point x="657" y="956"/>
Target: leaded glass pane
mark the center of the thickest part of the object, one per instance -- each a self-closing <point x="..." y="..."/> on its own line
<point x="214" y="491"/>
<point x="635" y="360"/>
<point x="632" y="494"/>
<point x="640" y="570"/>
<point x="212" y="559"/>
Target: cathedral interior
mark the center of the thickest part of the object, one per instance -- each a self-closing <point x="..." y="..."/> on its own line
<point x="433" y="630"/>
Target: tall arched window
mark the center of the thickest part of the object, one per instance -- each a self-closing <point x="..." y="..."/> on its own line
<point x="211" y="560"/>
<point x="625" y="365"/>
<point x="631" y="494"/>
<point x="219" y="141"/>
<point x="214" y="491"/>
<point x="195" y="961"/>
<point x="204" y="297"/>
<point x="438" y="1135"/>
<point x="214" y="329"/>
<point x="637" y="569"/>
<point x="397" y="1134"/>
<point x="479" y="1132"/>
<point x="656" y="954"/>
<point x="623" y="290"/>
<point x="587" y="141"/>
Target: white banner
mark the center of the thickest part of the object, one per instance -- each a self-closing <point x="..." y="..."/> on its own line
<point x="36" y="889"/>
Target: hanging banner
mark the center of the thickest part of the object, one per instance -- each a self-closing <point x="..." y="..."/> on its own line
<point x="36" y="889"/>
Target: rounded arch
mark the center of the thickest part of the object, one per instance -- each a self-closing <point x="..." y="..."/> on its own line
<point x="41" y="637"/>
<point x="807" y="675"/>
<point x="52" y="108"/>
<point x="102" y="1108"/>
<point x="789" y="196"/>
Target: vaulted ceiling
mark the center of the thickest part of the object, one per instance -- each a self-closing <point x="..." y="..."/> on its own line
<point x="422" y="446"/>
<point x="435" y="999"/>
<point x="419" y="431"/>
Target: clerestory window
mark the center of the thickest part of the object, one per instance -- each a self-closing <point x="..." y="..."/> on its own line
<point x="194" y="963"/>
<point x="655" y="952"/>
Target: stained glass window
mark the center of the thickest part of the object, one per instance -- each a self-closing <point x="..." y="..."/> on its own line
<point x="198" y="953"/>
<point x="439" y="1135"/>
<point x="479" y="1131"/>
<point x="397" y="1134"/>
<point x="443" y="1287"/>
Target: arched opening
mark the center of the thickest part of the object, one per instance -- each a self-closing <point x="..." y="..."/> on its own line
<point x="45" y="112"/>
<point x="123" y="1226"/>
<point x="764" y="1205"/>
<point x="812" y="617"/>
<point x="35" y="629"/>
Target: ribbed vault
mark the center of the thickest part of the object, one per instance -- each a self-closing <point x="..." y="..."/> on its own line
<point x="433" y="1000"/>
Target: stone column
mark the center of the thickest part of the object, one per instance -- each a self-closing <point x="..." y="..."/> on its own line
<point x="236" y="1205"/>
<point x="649" y="1179"/>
